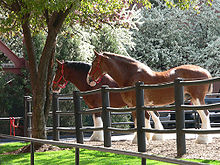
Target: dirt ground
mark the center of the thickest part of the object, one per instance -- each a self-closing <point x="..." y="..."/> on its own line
<point x="168" y="148"/>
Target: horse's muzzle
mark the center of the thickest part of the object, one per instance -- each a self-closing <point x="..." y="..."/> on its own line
<point x="55" y="89"/>
<point x="90" y="81"/>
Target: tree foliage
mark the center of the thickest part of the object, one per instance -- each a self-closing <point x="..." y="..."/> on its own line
<point x="171" y="37"/>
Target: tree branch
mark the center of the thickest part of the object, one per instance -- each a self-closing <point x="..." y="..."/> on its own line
<point x="30" y="51"/>
<point x="46" y="14"/>
<point x="48" y="86"/>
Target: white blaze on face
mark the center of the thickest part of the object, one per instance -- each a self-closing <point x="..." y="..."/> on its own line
<point x="90" y="81"/>
<point x="57" y="91"/>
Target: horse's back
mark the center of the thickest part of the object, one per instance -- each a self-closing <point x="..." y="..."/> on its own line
<point x="190" y="72"/>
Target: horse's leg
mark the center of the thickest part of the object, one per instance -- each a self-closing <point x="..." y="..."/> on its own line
<point x="134" y="141"/>
<point x="157" y="125"/>
<point x="97" y="135"/>
<point x="147" y="125"/>
<point x="204" y="115"/>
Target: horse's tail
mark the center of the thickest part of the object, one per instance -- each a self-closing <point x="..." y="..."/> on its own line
<point x="210" y="85"/>
<point x="210" y="88"/>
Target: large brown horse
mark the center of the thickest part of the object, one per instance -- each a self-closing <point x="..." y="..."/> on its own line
<point x="127" y="71"/>
<point x="76" y="73"/>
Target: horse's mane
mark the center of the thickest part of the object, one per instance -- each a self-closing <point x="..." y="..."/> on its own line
<point x="130" y="60"/>
<point x="127" y="58"/>
<point x="78" y="65"/>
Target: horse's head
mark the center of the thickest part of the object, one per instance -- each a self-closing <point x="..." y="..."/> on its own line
<point x="96" y="72"/>
<point x="59" y="81"/>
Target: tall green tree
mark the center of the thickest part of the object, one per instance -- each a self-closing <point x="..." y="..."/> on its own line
<point x="31" y="17"/>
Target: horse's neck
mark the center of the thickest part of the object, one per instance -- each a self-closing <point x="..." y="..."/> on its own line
<point x="118" y="71"/>
<point x="78" y="79"/>
<point x="126" y="71"/>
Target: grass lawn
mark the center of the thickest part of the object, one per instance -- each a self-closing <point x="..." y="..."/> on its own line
<point x="67" y="157"/>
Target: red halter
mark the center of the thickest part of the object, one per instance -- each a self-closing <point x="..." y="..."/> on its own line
<point x="97" y="69"/>
<point x="61" y="77"/>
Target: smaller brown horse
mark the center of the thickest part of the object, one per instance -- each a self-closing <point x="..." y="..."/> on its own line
<point x="127" y="71"/>
<point x="76" y="73"/>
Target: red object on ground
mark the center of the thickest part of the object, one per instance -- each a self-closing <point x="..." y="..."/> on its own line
<point x="12" y="125"/>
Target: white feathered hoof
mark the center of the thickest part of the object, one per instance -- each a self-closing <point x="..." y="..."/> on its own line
<point x="134" y="141"/>
<point x="204" y="139"/>
<point x="97" y="136"/>
<point x="159" y="137"/>
<point x="149" y="136"/>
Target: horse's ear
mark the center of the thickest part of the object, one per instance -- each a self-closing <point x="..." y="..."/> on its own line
<point x="58" y="61"/>
<point x="96" y="53"/>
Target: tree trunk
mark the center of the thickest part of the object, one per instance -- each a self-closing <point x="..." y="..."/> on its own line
<point x="49" y="85"/>
<point x="41" y="76"/>
<point x="40" y="80"/>
<point x="42" y="99"/>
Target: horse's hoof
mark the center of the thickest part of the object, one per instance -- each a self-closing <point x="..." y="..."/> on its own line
<point x="97" y="136"/>
<point x="159" y="137"/>
<point x="204" y="139"/>
<point x="96" y="139"/>
<point x="134" y="141"/>
<point x="149" y="136"/>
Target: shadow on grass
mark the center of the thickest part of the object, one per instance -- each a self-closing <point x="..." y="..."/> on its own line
<point x="9" y="147"/>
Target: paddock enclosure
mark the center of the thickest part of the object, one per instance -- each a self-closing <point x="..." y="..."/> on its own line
<point x="108" y="128"/>
<point x="167" y="117"/>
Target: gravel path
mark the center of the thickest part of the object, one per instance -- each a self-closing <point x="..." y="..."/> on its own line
<point x="168" y="148"/>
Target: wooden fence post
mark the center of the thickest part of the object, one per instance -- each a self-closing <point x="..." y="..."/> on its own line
<point x="140" y="118"/>
<point x="25" y="115"/>
<point x="78" y="116"/>
<point x="180" y="118"/>
<point x="141" y="139"/>
<point x="106" y="117"/>
<point x="29" y="117"/>
<point x="32" y="153"/>
<point x="56" y="118"/>
<point x="78" y="123"/>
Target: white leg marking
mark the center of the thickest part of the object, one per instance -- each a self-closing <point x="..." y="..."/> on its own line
<point x="97" y="135"/>
<point x="134" y="141"/>
<point x="157" y="125"/>
<point x="205" y="138"/>
<point x="148" y="126"/>
<point x="148" y="135"/>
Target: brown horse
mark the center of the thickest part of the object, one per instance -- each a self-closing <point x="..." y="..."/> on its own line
<point x="76" y="73"/>
<point x="127" y="71"/>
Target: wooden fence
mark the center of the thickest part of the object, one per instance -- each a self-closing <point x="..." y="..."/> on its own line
<point x="107" y="128"/>
<point x="57" y="113"/>
<point x="179" y="108"/>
